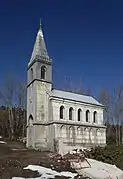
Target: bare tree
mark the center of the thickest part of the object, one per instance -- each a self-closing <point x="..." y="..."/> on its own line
<point x="71" y="87"/>
<point x="105" y="98"/>
<point x="8" y="97"/>
<point x="22" y="105"/>
<point x="89" y="92"/>
<point x="113" y="110"/>
<point x="79" y="88"/>
<point x="13" y="96"/>
<point x="68" y="85"/>
<point x="117" y="111"/>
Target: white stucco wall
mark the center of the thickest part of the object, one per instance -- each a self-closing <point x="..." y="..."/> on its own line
<point x="38" y="107"/>
<point x="56" y="103"/>
<point x="73" y="134"/>
<point x="31" y="100"/>
<point x="42" y="101"/>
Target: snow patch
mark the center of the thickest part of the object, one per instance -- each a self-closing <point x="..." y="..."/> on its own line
<point x="28" y="178"/>
<point x="79" y="150"/>
<point x="68" y="174"/>
<point x="47" y="173"/>
<point x="18" y="149"/>
<point x="2" y="142"/>
<point x="97" y="170"/>
<point x="19" y="178"/>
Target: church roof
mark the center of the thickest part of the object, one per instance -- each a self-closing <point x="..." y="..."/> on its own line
<point x="75" y="97"/>
<point x="39" y="49"/>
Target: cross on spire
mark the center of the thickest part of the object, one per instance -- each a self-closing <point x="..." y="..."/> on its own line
<point x="40" y="22"/>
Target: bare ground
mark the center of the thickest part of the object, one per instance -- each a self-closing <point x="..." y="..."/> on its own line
<point x="14" y="157"/>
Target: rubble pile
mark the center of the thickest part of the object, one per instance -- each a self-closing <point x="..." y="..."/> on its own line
<point x="60" y="163"/>
<point x="65" y="162"/>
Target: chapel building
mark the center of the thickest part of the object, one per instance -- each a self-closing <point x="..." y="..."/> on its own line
<point x="59" y="120"/>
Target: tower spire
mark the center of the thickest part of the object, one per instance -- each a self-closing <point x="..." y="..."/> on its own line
<point x="39" y="49"/>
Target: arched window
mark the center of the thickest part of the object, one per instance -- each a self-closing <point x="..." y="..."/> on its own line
<point x="71" y="132"/>
<point x="30" y="117"/>
<point x="79" y="114"/>
<point x="71" y="113"/>
<point x="95" y="117"/>
<point x="79" y="132"/>
<point x="61" y="112"/>
<point x="43" y="72"/>
<point x="31" y="74"/>
<point x="30" y="120"/>
<point x="63" y="131"/>
<point x="87" y="115"/>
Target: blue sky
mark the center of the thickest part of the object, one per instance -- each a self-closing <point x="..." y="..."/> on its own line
<point x="84" y="39"/>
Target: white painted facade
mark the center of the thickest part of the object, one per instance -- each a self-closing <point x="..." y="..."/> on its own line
<point x="58" y="120"/>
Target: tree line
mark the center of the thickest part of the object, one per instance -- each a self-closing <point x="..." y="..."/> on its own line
<point x="113" y="113"/>
<point x="13" y="108"/>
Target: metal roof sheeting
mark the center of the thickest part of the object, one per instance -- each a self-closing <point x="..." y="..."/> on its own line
<point x="75" y="97"/>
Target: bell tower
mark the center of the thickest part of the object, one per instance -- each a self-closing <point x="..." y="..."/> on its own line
<point x="39" y="86"/>
<point x="40" y="65"/>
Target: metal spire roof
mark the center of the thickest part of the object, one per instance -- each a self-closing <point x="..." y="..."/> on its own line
<point x="39" y="50"/>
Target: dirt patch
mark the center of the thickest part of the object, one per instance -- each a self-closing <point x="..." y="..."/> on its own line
<point x="12" y="161"/>
<point x="18" y="172"/>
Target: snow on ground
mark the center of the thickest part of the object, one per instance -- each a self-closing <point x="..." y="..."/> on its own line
<point x="97" y="169"/>
<point x="47" y="172"/>
<point x="2" y="142"/>
<point x="111" y="170"/>
<point x="86" y="167"/>
<point x="79" y="150"/>
<point x="22" y="178"/>
<point x="18" y="149"/>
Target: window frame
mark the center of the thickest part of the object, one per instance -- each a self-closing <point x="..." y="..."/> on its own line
<point x="79" y="114"/>
<point x="43" y="72"/>
<point x="70" y="113"/>
<point x="61" y="110"/>
<point x="95" y="117"/>
<point x="31" y="74"/>
<point x="87" y="115"/>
